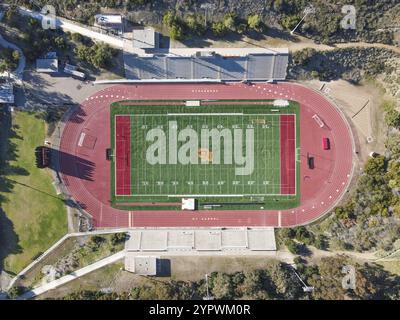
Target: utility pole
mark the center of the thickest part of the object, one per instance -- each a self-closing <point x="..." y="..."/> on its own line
<point x="309" y="9"/>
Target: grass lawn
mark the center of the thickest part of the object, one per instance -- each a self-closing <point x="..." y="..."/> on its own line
<point x="34" y="216"/>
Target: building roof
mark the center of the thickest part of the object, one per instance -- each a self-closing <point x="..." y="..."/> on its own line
<point x="142" y="265"/>
<point x="228" y="64"/>
<point x="208" y="239"/>
<point x="106" y="19"/>
<point x="145" y="38"/>
<point x="47" y="65"/>
<point x="6" y="93"/>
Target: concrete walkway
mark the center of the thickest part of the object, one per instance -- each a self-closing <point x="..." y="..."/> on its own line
<point x="57" y="244"/>
<point x="17" y="73"/>
<point x="74" y="275"/>
<point x="73" y="27"/>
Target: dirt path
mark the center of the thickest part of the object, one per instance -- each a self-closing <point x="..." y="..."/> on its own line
<point x="298" y="43"/>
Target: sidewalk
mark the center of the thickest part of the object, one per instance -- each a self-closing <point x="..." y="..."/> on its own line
<point x="16" y="74"/>
<point x="73" y="27"/>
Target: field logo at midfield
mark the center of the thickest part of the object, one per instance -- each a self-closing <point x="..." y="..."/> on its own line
<point x="162" y="151"/>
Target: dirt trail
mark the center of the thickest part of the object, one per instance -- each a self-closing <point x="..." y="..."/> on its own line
<point x="300" y="44"/>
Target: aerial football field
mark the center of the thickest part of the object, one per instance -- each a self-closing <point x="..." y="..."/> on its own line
<point x="226" y="154"/>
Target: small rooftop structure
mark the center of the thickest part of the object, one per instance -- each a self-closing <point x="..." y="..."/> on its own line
<point x="6" y="93"/>
<point x="47" y="65"/>
<point x="145" y="38"/>
<point x="142" y="265"/>
<point x="188" y="204"/>
<point x="108" y="19"/>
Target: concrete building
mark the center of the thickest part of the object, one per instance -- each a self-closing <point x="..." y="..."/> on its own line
<point x="113" y="22"/>
<point x="47" y="65"/>
<point x="203" y="240"/>
<point x="225" y="64"/>
<point x="142" y="265"/>
<point x="145" y="38"/>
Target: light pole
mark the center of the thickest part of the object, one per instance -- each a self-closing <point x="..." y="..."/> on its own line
<point x="207" y="297"/>
<point x="309" y="9"/>
<point x="306" y="288"/>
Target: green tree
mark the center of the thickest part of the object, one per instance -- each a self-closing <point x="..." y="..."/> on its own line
<point x="230" y="21"/>
<point x="102" y="56"/>
<point x="218" y="29"/>
<point x="15" y="55"/>
<point x="176" y="32"/>
<point x="392" y="118"/>
<point x="77" y="37"/>
<point x="15" y="292"/>
<point x="193" y="25"/>
<point x="11" y="15"/>
<point x="169" y="19"/>
<point x="60" y="43"/>
<point x="293" y="246"/>
<point x="328" y="282"/>
<point x="289" y="22"/>
<point x="222" y="287"/>
<point x="254" y="22"/>
<point x="284" y="280"/>
<point x="117" y="238"/>
<point x="81" y="52"/>
<point x="375" y="166"/>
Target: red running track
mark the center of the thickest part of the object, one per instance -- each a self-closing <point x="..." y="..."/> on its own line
<point x="321" y="188"/>
<point x="123" y="155"/>
<point x="288" y="154"/>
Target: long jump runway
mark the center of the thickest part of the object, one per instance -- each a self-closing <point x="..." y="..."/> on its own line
<point x="321" y="187"/>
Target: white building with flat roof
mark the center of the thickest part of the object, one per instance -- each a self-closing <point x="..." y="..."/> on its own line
<point x="225" y="64"/>
<point x="189" y="241"/>
<point x="142" y="265"/>
<point x="47" y="65"/>
<point x="145" y="38"/>
<point x="110" y="21"/>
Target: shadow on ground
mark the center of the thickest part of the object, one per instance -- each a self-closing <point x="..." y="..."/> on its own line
<point x="9" y="240"/>
<point x="72" y="165"/>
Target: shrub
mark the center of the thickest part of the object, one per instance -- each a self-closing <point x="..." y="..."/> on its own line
<point x="218" y="29"/>
<point x="254" y="22"/>
<point x="229" y="21"/>
<point x="293" y="246"/>
<point x="117" y="238"/>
